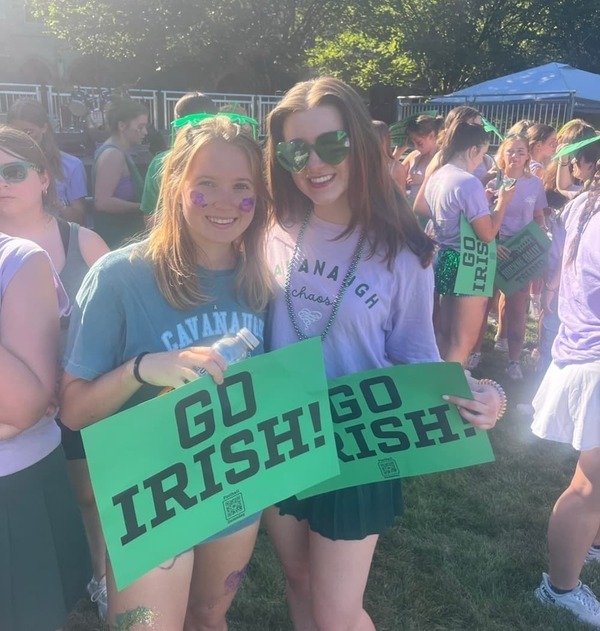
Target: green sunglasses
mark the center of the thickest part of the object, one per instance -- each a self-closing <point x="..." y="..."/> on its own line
<point x="15" y="172"/>
<point x="332" y="147"/>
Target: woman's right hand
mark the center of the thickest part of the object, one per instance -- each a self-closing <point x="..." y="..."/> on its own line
<point x="505" y="195"/>
<point x="175" y="368"/>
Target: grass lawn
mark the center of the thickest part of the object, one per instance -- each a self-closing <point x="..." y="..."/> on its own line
<point x="468" y="552"/>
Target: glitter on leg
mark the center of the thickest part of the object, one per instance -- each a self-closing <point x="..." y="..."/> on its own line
<point x="140" y="615"/>
<point x="234" y="580"/>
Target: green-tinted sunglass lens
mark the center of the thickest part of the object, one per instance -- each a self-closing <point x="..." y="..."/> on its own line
<point x="293" y="155"/>
<point x="332" y="147"/>
<point x="14" y="172"/>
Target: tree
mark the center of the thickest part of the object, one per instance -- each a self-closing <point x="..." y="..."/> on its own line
<point x="264" y="37"/>
<point x="438" y="46"/>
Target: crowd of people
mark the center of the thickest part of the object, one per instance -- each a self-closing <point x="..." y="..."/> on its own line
<point x="221" y="224"/>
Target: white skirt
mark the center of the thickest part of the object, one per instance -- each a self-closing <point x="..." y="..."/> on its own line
<point x="567" y="405"/>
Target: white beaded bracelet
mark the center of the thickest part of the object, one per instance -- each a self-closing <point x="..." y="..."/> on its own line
<point x="500" y="390"/>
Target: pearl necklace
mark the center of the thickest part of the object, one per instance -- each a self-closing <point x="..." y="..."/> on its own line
<point x="341" y="291"/>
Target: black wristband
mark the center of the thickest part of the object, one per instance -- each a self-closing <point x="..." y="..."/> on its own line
<point x="136" y="369"/>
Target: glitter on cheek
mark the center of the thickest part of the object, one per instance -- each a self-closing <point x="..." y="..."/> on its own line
<point x="247" y="204"/>
<point x="198" y="199"/>
<point x="140" y="615"/>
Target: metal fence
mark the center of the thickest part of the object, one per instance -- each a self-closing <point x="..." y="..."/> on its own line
<point x="503" y="115"/>
<point x="256" y="106"/>
<point x="10" y="92"/>
<point x="159" y="103"/>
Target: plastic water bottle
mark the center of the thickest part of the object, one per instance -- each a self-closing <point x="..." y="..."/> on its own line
<point x="234" y="348"/>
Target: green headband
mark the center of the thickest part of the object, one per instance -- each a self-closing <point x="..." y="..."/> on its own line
<point x="490" y="128"/>
<point x="572" y="148"/>
<point x="198" y="119"/>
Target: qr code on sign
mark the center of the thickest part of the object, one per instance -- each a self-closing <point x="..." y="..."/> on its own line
<point x="233" y="505"/>
<point x="388" y="468"/>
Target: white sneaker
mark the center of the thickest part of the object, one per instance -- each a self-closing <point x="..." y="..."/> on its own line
<point x="513" y="370"/>
<point x="580" y="601"/>
<point x="593" y="555"/>
<point x="501" y="344"/>
<point x="98" y="594"/>
<point x="473" y="361"/>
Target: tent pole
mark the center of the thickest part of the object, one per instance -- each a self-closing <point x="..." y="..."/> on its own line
<point x="572" y="105"/>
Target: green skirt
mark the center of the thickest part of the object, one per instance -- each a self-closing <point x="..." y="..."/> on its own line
<point x="350" y="514"/>
<point x="44" y="559"/>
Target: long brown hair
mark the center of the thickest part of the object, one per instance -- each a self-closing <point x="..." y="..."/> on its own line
<point x="460" y="137"/>
<point x="32" y="111"/>
<point x="592" y="206"/>
<point x="170" y="247"/>
<point x="23" y="147"/>
<point x="376" y="204"/>
<point x="122" y="110"/>
<point x="460" y="114"/>
<point x="571" y="132"/>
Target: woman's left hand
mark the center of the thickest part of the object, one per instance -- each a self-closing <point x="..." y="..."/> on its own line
<point x="481" y="411"/>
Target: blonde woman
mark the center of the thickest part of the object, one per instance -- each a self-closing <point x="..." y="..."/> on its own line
<point x="204" y="255"/>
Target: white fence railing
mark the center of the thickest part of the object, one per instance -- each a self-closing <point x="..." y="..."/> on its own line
<point x="159" y="103"/>
<point x="503" y="115"/>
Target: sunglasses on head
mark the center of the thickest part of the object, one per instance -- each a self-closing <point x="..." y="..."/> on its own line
<point x="14" y="172"/>
<point x="194" y="122"/>
<point x="332" y="147"/>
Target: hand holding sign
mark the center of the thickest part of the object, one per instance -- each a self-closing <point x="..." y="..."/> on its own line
<point x="484" y="409"/>
<point x="393" y="422"/>
<point x="503" y="252"/>
<point x="175" y="470"/>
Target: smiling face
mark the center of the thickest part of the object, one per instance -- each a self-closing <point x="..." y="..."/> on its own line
<point x="21" y="197"/>
<point x="218" y="199"/>
<point x="326" y="185"/>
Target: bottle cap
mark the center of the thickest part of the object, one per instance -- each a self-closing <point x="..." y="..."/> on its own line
<point x="251" y="341"/>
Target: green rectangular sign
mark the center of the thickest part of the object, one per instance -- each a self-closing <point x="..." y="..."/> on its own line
<point x="393" y="422"/>
<point x="528" y="259"/>
<point x="477" y="264"/>
<point x="173" y="471"/>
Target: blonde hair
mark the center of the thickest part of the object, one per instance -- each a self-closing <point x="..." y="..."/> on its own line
<point x="518" y="137"/>
<point x="170" y="247"/>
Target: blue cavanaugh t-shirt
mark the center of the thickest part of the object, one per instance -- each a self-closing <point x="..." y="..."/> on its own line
<point x="120" y="313"/>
